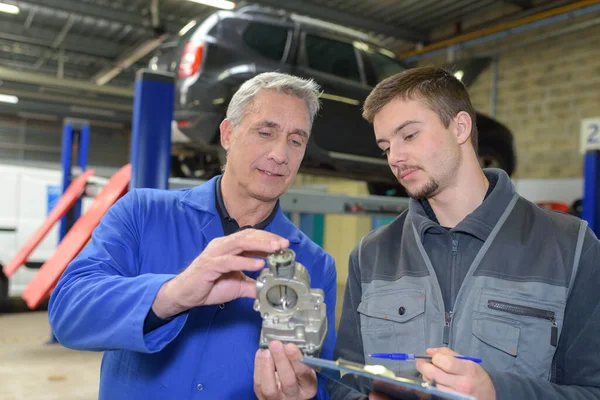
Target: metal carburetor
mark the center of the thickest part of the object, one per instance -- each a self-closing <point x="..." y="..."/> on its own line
<point x="292" y="312"/>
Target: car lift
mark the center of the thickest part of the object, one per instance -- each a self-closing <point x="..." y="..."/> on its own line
<point x="591" y="187"/>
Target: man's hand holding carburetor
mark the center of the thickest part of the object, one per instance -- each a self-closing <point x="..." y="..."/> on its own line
<point x="292" y="313"/>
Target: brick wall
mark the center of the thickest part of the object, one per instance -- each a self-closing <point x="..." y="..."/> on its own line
<point x="545" y="88"/>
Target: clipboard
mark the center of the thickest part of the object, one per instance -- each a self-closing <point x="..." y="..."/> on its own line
<point x="379" y="379"/>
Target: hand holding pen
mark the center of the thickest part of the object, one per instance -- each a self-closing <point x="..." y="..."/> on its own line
<point x="450" y="371"/>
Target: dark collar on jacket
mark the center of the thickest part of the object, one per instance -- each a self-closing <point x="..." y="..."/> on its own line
<point x="204" y="198"/>
<point x="230" y="225"/>
<point x="481" y="221"/>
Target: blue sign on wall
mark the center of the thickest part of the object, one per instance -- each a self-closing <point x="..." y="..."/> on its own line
<point x="53" y="194"/>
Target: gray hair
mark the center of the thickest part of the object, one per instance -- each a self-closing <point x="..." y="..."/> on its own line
<point x="304" y="89"/>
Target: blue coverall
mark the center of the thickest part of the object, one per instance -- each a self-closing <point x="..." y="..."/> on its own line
<point x="101" y="301"/>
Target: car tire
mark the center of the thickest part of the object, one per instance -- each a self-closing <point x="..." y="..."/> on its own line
<point x="495" y="158"/>
<point x="495" y="145"/>
<point x="3" y="286"/>
<point x="577" y="208"/>
<point x="386" y="189"/>
<point x="199" y="166"/>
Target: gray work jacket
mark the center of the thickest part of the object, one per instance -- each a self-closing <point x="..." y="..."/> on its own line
<point x="508" y="310"/>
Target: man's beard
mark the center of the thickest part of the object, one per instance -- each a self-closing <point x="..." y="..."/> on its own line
<point x="428" y="190"/>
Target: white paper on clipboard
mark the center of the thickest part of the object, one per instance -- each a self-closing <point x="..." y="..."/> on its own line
<point x="380" y="379"/>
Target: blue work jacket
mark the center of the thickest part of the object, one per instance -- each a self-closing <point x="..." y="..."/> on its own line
<point x="102" y="299"/>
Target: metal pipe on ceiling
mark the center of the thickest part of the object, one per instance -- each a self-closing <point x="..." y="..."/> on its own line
<point x="577" y="9"/>
<point x="555" y="33"/>
<point x="8" y="74"/>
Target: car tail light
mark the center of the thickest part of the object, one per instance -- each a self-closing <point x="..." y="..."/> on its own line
<point x="190" y="60"/>
<point x="183" y="124"/>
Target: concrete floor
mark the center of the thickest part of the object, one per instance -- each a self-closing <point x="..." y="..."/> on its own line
<point x="32" y="369"/>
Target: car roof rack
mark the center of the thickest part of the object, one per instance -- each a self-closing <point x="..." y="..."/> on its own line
<point x="331" y="26"/>
<point x="263" y="10"/>
<point x="255" y="9"/>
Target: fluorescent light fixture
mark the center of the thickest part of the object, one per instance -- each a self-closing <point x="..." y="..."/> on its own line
<point x="9" y="8"/>
<point x="224" y="4"/>
<point x="7" y="98"/>
<point x="40" y="116"/>
<point x="361" y="46"/>
<point x="96" y="111"/>
<point x="387" y="52"/>
<point x="340" y="99"/>
<point x="459" y="74"/>
<point x="186" y="28"/>
<point x="107" y="124"/>
<point x="238" y="69"/>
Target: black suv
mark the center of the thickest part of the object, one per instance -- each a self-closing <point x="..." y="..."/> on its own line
<point x="226" y="48"/>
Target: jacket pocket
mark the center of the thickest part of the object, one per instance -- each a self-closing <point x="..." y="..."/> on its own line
<point x="526" y="311"/>
<point x="498" y="341"/>
<point x="538" y="321"/>
<point x="393" y="322"/>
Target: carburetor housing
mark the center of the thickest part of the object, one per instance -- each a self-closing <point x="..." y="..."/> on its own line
<point x="291" y="311"/>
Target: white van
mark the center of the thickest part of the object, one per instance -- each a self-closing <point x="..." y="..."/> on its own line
<point x="28" y="194"/>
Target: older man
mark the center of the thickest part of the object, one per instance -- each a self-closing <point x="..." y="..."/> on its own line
<point x="165" y="287"/>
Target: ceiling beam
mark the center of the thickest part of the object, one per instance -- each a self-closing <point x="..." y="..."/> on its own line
<point x="77" y="72"/>
<point x="95" y="11"/>
<point x="346" y="19"/>
<point x="35" y="50"/>
<point x="63" y="110"/>
<point x="29" y="19"/>
<point x="78" y="100"/>
<point x="126" y="59"/>
<point x="9" y="74"/>
<point x="73" y="65"/>
<point x="45" y="37"/>
<point x="57" y="41"/>
<point x="524" y="4"/>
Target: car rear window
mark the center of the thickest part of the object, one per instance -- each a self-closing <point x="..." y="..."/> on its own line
<point x="268" y="40"/>
<point x="331" y="56"/>
<point x="383" y="65"/>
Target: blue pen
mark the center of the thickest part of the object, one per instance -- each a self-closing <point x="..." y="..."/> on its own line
<point x="408" y="357"/>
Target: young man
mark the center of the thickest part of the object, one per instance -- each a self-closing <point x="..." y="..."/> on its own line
<point x="471" y="267"/>
<point x="166" y="286"/>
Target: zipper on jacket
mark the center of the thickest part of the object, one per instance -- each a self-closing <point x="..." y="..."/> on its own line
<point x="447" y="324"/>
<point x="528" y="312"/>
<point x="454" y="246"/>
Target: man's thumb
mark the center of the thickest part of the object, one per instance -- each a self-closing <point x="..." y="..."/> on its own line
<point x="248" y="287"/>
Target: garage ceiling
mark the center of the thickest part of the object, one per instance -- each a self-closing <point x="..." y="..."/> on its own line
<point x="103" y="42"/>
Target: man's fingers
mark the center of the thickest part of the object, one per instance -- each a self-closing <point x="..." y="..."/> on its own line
<point x="452" y="365"/>
<point x="431" y="351"/>
<point x="445" y="350"/>
<point x="249" y="240"/>
<point x="258" y="365"/>
<point x="246" y="245"/>
<point x="287" y="375"/>
<point x="260" y="254"/>
<point x="432" y="373"/>
<point x="247" y="287"/>
<point x="266" y="376"/>
<point x="305" y="375"/>
<point x="230" y="263"/>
